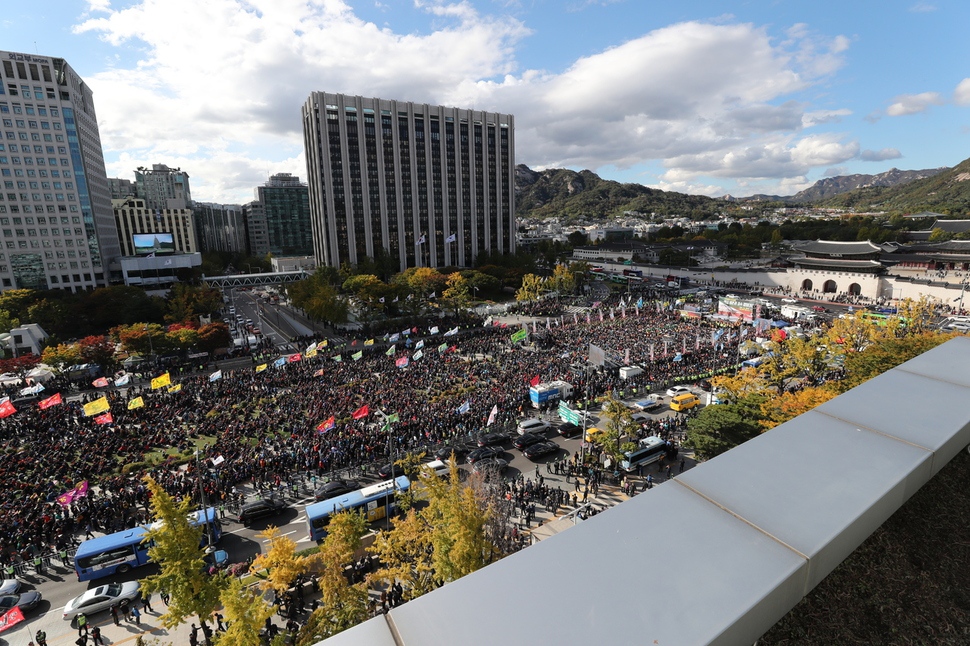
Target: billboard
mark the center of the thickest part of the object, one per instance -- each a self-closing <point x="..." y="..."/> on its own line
<point x="157" y="243"/>
<point x="736" y="308"/>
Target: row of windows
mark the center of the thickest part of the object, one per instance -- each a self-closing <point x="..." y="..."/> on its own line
<point x="26" y="208"/>
<point x="22" y="244"/>
<point x="48" y="197"/>
<point x="42" y="220"/>
<point x="28" y="109"/>
<point x="38" y="149"/>
<point x="29" y="161"/>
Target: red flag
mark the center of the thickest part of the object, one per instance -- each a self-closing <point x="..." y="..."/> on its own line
<point x="353" y="343"/>
<point x="7" y="409"/>
<point x="53" y="400"/>
<point x="414" y="330"/>
<point x="106" y="418"/>
<point x="361" y="412"/>
<point x="11" y="618"/>
<point x="535" y="381"/>
<point x="295" y="357"/>
<point x="101" y="382"/>
<point x="326" y="425"/>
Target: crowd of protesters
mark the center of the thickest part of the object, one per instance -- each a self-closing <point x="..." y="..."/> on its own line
<point x="262" y="424"/>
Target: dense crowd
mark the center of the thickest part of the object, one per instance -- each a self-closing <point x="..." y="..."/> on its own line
<point x="262" y="426"/>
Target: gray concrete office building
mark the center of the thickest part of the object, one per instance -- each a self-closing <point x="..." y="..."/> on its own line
<point x="429" y="185"/>
<point x="57" y="228"/>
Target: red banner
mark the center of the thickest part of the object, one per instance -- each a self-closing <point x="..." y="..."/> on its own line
<point x="326" y="425"/>
<point x="11" y="618"/>
<point x="361" y="412"/>
<point x="7" y="409"/>
<point x="106" y="418"/>
<point x="54" y="400"/>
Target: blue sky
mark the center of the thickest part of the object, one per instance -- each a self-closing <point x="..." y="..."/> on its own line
<point x="762" y="96"/>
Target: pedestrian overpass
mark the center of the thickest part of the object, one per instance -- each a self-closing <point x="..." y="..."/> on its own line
<point x="255" y="280"/>
<point x="723" y="551"/>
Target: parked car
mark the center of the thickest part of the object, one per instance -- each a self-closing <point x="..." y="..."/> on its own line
<point x="704" y="384"/>
<point x="491" y="465"/>
<point x="483" y="453"/>
<point x="525" y="440"/>
<point x="568" y="429"/>
<point x="492" y="439"/>
<point x="532" y="426"/>
<point x="266" y="506"/>
<point x="388" y="471"/>
<point x="445" y="452"/>
<point x="335" y="488"/>
<point x="789" y="300"/>
<point x="818" y="308"/>
<point x="540" y="449"/>
<point x="9" y="586"/>
<point x="677" y="390"/>
<point x="102" y="598"/>
<point x="25" y="601"/>
<point x="215" y="560"/>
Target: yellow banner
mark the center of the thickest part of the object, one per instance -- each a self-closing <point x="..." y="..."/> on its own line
<point x="174" y="388"/>
<point x="96" y="407"/>
<point x="322" y="344"/>
<point x="161" y="382"/>
<point x="369" y="342"/>
<point x="311" y="353"/>
<point x="261" y="367"/>
<point x="137" y="402"/>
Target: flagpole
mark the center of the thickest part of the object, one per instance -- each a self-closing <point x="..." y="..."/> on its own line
<point x="390" y="453"/>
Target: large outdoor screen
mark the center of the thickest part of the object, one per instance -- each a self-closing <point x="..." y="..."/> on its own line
<point x="157" y="243"/>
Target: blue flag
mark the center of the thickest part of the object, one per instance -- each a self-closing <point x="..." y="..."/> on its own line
<point x="279" y="362"/>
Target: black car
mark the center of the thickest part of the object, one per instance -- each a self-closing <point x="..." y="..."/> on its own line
<point x="491" y="465"/>
<point x="540" y="449"/>
<point x="483" y="453"/>
<point x="335" y="488"/>
<point x="268" y="506"/>
<point x="389" y="471"/>
<point x="25" y="601"/>
<point x="525" y="440"/>
<point x="444" y="452"/>
<point x="569" y="429"/>
<point x="491" y="439"/>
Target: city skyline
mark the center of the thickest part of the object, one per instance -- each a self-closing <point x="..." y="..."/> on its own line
<point x="768" y="98"/>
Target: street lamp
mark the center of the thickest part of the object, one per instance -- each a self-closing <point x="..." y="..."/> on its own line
<point x="205" y="508"/>
<point x="390" y="453"/>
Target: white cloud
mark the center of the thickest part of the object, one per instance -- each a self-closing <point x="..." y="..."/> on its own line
<point x="219" y="87"/>
<point x="880" y="155"/>
<point x="961" y="96"/>
<point x="907" y="104"/>
<point x="923" y="7"/>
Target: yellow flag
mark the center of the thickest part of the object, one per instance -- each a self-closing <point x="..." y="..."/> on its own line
<point x="137" y="402"/>
<point x="369" y="342"/>
<point x="322" y="344"/>
<point x="309" y="354"/>
<point x="96" y="407"/>
<point x="261" y="367"/>
<point x="174" y="388"/>
<point x="162" y="381"/>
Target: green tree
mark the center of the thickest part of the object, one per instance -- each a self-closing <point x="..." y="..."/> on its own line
<point x="318" y="297"/>
<point x="51" y="314"/>
<point x="176" y="549"/>
<point x="342" y="605"/>
<point x="7" y="322"/>
<point x="367" y="287"/>
<point x="141" y="338"/>
<point x="182" y="338"/>
<point x="187" y="302"/>
<point x="885" y="355"/>
<point x="618" y="423"/>
<point x="717" y="429"/>
<point x="214" y="335"/>
<point x="16" y="302"/>
<point x="245" y="612"/>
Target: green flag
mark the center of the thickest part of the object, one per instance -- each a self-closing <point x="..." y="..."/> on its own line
<point x="518" y="336"/>
<point x="338" y="358"/>
<point x="357" y="356"/>
<point x="391" y="350"/>
<point x="442" y="348"/>
<point x="393" y="417"/>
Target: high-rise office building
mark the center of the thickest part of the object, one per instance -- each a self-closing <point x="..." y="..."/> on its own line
<point x="136" y="222"/>
<point x="282" y="209"/>
<point x="429" y="185"/>
<point x="162" y="187"/>
<point x="221" y="227"/>
<point x="56" y="223"/>
<point x="121" y="188"/>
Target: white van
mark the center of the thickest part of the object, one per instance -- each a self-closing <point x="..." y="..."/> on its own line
<point x="439" y="467"/>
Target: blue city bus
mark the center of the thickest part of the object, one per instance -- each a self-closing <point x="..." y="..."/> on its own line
<point x="118" y="553"/>
<point x="372" y="500"/>
<point x="648" y="451"/>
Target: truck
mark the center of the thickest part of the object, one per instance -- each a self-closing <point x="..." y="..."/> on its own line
<point x="546" y="394"/>
<point x="795" y="312"/>
<point x="628" y="372"/>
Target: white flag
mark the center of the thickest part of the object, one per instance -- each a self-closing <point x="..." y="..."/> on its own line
<point x="216" y="461"/>
<point x="215" y="376"/>
<point x="492" y="415"/>
<point x="450" y="238"/>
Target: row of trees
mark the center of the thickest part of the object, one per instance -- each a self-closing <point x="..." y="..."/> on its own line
<point x="799" y="374"/>
<point x="444" y="534"/>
